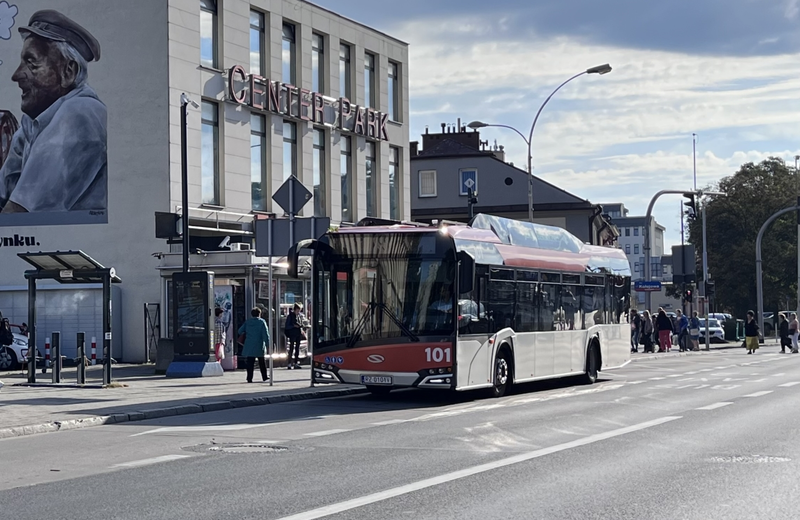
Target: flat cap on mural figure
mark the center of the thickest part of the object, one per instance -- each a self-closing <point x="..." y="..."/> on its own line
<point x="57" y="161"/>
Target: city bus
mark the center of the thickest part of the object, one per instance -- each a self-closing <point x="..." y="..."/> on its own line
<point x="463" y="306"/>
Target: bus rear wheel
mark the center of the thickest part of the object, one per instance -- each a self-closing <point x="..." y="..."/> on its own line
<point x="502" y="374"/>
<point x="592" y="362"/>
<point x="379" y="390"/>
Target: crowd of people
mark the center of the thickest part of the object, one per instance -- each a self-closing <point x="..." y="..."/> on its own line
<point x="656" y="331"/>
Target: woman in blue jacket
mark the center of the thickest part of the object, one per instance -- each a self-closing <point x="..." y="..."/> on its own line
<point x="255" y="343"/>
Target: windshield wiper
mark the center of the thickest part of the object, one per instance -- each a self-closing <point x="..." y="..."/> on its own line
<point x="360" y="325"/>
<point x="402" y="326"/>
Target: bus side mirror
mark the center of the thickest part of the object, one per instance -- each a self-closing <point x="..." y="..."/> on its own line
<point x="466" y="272"/>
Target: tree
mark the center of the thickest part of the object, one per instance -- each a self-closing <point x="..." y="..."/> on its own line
<point x="752" y="195"/>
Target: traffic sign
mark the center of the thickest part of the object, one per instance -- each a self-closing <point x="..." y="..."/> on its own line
<point x="292" y="195"/>
<point x="645" y="286"/>
<point x="469" y="180"/>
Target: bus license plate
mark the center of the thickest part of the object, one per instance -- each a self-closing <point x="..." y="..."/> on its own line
<point x="376" y="380"/>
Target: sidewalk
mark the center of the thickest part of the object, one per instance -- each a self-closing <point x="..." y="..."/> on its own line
<point x="139" y="394"/>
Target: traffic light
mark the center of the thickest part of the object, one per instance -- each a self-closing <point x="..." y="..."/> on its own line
<point x="472" y="199"/>
<point x="688" y="295"/>
<point x="710" y="289"/>
<point x="691" y="206"/>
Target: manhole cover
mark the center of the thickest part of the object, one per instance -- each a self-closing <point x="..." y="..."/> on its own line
<point x="748" y="459"/>
<point x="234" y="447"/>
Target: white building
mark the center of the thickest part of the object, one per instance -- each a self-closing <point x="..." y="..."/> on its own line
<point x="292" y="63"/>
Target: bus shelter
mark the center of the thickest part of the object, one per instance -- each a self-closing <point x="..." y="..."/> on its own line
<point x="68" y="267"/>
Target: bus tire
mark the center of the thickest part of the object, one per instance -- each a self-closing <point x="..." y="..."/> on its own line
<point x="502" y="372"/>
<point x="379" y="390"/>
<point x="592" y="363"/>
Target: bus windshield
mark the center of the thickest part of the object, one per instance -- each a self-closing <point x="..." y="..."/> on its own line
<point x="395" y="285"/>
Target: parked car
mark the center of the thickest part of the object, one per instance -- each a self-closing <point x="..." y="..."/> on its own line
<point x="12" y="355"/>
<point x="716" y="334"/>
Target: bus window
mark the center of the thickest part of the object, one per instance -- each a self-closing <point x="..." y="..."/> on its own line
<point x="593" y="305"/>
<point x="549" y="311"/>
<point x="472" y="315"/>
<point x="501" y="304"/>
<point x="571" y="307"/>
<point x="526" y="307"/>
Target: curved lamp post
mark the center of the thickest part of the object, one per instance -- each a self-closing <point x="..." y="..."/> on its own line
<point x="600" y="69"/>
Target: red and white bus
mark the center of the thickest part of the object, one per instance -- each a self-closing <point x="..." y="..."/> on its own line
<point x="463" y="307"/>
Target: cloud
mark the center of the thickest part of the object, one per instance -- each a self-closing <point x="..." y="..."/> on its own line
<point x="792" y="9"/>
<point x="8" y="14"/>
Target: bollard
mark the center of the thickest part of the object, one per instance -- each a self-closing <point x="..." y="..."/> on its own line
<point x="56" y="347"/>
<point x="94" y="351"/>
<point x="46" y="354"/>
<point x="81" y="358"/>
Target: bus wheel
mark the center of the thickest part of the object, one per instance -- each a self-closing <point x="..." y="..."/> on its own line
<point x="502" y="373"/>
<point x="379" y="390"/>
<point x="592" y="359"/>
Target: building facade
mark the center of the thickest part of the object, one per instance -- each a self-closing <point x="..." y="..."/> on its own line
<point x="281" y="87"/>
<point x="450" y="162"/>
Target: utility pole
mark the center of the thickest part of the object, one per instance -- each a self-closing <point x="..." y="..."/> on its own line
<point x="705" y="276"/>
<point x="797" y="175"/>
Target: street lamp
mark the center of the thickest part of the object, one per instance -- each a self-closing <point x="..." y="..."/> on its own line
<point x="797" y="175"/>
<point x="185" y="101"/>
<point x="600" y="69"/>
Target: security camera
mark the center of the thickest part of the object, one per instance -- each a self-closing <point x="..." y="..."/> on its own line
<point x="187" y="100"/>
<point x="225" y="243"/>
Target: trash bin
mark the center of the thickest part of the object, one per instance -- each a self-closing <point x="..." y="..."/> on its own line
<point x="731" y="329"/>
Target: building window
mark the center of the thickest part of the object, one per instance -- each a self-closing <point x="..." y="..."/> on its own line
<point x="258" y="162"/>
<point x="371" y="163"/>
<point x="627" y="249"/>
<point x="288" y="54"/>
<point x="636" y="267"/>
<point x="256" y="43"/>
<point x="344" y="71"/>
<point x="627" y="231"/>
<point x="318" y="63"/>
<point x="289" y="149"/>
<point x="210" y="153"/>
<point x="319" y="172"/>
<point x="346" y="161"/>
<point x="427" y="183"/>
<point x="369" y="80"/>
<point x="394" y="183"/>
<point x="635" y="249"/>
<point x="636" y="231"/>
<point x="468" y="178"/>
<point x="394" y="91"/>
<point x="208" y="33"/>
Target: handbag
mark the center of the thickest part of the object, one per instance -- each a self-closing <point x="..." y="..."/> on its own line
<point x="694" y="332"/>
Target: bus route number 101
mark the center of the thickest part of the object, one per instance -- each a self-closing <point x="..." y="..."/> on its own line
<point x="437" y="355"/>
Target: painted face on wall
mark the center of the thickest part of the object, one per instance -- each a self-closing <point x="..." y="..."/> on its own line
<point x="41" y="75"/>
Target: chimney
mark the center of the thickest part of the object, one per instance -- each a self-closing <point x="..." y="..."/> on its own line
<point x="413" y="148"/>
<point x="444" y="125"/>
<point x="459" y="125"/>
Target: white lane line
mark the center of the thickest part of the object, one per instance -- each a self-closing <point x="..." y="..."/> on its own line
<point x="778" y="375"/>
<point x="325" y="432"/>
<point x="675" y="375"/>
<point x="713" y="406"/>
<point x="709" y="369"/>
<point x="690" y="373"/>
<point x="386" y="423"/>
<point x="635" y="382"/>
<point x="201" y="428"/>
<point x="759" y="394"/>
<point x="145" y="462"/>
<point x="657" y="378"/>
<point x="347" y="505"/>
<point x="787" y="385"/>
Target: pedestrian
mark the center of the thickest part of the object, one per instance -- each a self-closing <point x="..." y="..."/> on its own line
<point x="294" y="333"/>
<point x="256" y="339"/>
<point x="647" y="331"/>
<point x="664" y="331"/>
<point x="636" y="329"/>
<point x="656" y="337"/>
<point x="220" y="335"/>
<point x="783" y="332"/>
<point x="751" y="333"/>
<point x="694" y="331"/>
<point x="683" y="331"/>
<point x="794" y="330"/>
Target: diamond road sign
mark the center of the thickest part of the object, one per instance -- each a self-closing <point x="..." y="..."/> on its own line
<point x="292" y="195"/>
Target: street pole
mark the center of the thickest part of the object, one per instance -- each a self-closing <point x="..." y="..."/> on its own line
<point x="185" y="102"/>
<point x="705" y="277"/>
<point x="647" y="269"/>
<point x="797" y="175"/>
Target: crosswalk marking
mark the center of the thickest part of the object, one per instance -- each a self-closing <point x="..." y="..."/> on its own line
<point x="759" y="394"/>
<point x="325" y="432"/>
<point x="787" y="385"/>
<point x="386" y="423"/>
<point x="714" y="406"/>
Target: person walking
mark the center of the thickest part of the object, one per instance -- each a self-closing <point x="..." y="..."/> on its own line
<point x="751" y="333"/>
<point x="694" y="331"/>
<point x="683" y="331"/>
<point x="783" y="332"/>
<point x="794" y="330"/>
<point x="220" y="336"/>
<point x="636" y="329"/>
<point x="656" y="337"/>
<point x="255" y="343"/>
<point x="664" y="331"/>
<point x="294" y="333"/>
<point x="647" y="331"/>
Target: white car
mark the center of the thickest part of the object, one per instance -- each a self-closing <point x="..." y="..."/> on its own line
<point x="715" y="332"/>
<point x="12" y="355"/>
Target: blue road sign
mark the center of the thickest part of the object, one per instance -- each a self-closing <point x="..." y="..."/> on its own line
<point x="645" y="286"/>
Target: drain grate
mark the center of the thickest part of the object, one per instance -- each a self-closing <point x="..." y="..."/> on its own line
<point x="748" y="459"/>
<point x="236" y="447"/>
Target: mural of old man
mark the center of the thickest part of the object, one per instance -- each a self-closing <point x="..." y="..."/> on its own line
<point x="57" y="160"/>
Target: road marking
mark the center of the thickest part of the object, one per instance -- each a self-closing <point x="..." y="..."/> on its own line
<point x="386" y="423"/>
<point x="325" y="432"/>
<point x="635" y="382"/>
<point x="380" y="496"/>
<point x="675" y="375"/>
<point x="759" y="394"/>
<point x="682" y="387"/>
<point x="778" y="375"/>
<point x="710" y="369"/>
<point x="787" y="385"/>
<point x="145" y="462"/>
<point x="657" y="378"/>
<point x="755" y="380"/>
<point x="690" y="373"/>
<point x="713" y="406"/>
<point x="202" y="428"/>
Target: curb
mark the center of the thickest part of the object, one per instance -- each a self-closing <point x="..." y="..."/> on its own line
<point x="186" y="409"/>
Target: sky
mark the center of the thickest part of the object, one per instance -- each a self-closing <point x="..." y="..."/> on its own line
<point x="725" y="70"/>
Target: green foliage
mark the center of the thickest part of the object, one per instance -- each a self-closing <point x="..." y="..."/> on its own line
<point x="752" y="195"/>
<point x="676" y="290"/>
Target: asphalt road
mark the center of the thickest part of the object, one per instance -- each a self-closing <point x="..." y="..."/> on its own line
<point x="711" y="436"/>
